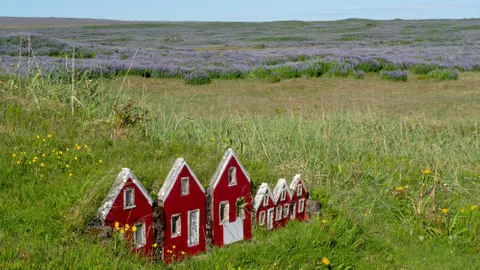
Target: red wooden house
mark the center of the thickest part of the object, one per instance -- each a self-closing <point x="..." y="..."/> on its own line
<point x="183" y="200"/>
<point x="283" y="208"/>
<point x="299" y="198"/>
<point x="229" y="202"/>
<point x="127" y="209"/>
<point x="264" y="206"/>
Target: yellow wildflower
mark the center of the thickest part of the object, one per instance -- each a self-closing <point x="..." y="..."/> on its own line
<point x="325" y="261"/>
<point x="134" y="228"/>
<point x="473" y="207"/>
<point x="426" y="171"/>
<point x="117" y="224"/>
<point x="78" y="146"/>
<point x="324" y="221"/>
<point x="49" y="135"/>
<point x="38" y="137"/>
<point x="14" y="155"/>
<point x="183" y="252"/>
<point x="227" y="140"/>
<point x="18" y="162"/>
<point x="155" y="245"/>
<point x="444" y="210"/>
<point x="58" y="156"/>
<point x="212" y="139"/>
<point x="406" y="187"/>
<point x="70" y="174"/>
<point x="399" y="188"/>
<point x="100" y="161"/>
<point x="127" y="227"/>
<point x="44" y="140"/>
<point x="86" y="146"/>
<point x="75" y="158"/>
<point x="43" y="155"/>
<point x="421" y="195"/>
<point x="174" y="247"/>
<point x="61" y="153"/>
<point x="42" y="164"/>
<point x="67" y="166"/>
<point x="122" y="231"/>
<point x="462" y="211"/>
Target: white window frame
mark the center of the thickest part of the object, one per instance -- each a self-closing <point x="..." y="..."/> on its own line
<point x="284" y="194"/>
<point x="286" y="209"/>
<point x="278" y="212"/>
<point x="293" y="205"/>
<point x="299" y="190"/>
<point x="125" y="191"/>
<point x="179" y="226"/>
<point x="197" y="240"/>
<point x="266" y="199"/>
<point x="261" y="218"/>
<point x="241" y="213"/>
<point x="226" y="216"/>
<point x="185" y="186"/>
<point x="270" y="224"/>
<point x="301" y="206"/>
<point x="232" y="176"/>
<point x="143" y="233"/>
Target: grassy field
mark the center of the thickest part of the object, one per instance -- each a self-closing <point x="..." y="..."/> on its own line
<point x="395" y="165"/>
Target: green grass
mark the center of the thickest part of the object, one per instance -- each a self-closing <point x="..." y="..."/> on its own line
<point x="361" y="151"/>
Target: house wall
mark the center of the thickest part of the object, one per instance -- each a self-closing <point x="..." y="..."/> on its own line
<point x="263" y="208"/>
<point x="176" y="248"/>
<point x="223" y="192"/>
<point x="141" y="213"/>
<point x="295" y="198"/>
<point x="283" y="220"/>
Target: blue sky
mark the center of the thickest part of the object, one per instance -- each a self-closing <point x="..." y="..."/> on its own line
<point x="243" y="10"/>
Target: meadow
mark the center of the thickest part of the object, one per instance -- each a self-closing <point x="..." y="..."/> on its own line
<point x="394" y="164"/>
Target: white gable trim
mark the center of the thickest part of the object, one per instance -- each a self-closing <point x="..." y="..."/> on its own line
<point x="264" y="189"/>
<point x="277" y="191"/>
<point x="117" y="186"/>
<point x="172" y="177"/>
<point x="229" y="154"/>
<point x="295" y="182"/>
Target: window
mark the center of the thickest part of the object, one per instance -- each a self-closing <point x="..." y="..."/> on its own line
<point x="284" y="194"/>
<point x="301" y="205"/>
<point x="265" y="200"/>
<point x="240" y="208"/>
<point x="185" y="186"/>
<point x="285" y="211"/>
<point x="261" y="218"/>
<point x="193" y="228"/>
<point x="278" y="214"/>
<point x="299" y="190"/>
<point x="129" y="198"/>
<point x="232" y="176"/>
<point x="139" y="236"/>
<point x="176" y="225"/>
<point x="224" y="212"/>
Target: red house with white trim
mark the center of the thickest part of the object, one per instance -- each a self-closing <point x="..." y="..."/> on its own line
<point x="264" y="206"/>
<point x="229" y="202"/>
<point x="127" y="209"/>
<point x="183" y="200"/>
<point x="299" y="198"/>
<point x="284" y="210"/>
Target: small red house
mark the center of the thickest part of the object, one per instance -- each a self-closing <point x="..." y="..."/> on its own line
<point x="183" y="200"/>
<point x="299" y="198"/>
<point x="127" y="209"/>
<point x="264" y="207"/>
<point x="229" y="202"/>
<point x="284" y="210"/>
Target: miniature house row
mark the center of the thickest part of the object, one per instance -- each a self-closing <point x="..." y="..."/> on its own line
<point x="186" y="218"/>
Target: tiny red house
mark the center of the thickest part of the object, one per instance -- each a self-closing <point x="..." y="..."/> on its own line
<point x="264" y="207"/>
<point x="229" y="202"/>
<point x="299" y="198"/>
<point x="183" y="200"/>
<point x="127" y="209"/>
<point x="284" y="210"/>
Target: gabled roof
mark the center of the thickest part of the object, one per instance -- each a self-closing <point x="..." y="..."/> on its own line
<point x="295" y="181"/>
<point x="117" y="186"/>
<point x="264" y="189"/>
<point x="229" y="154"/>
<point x="172" y="177"/>
<point x="277" y="191"/>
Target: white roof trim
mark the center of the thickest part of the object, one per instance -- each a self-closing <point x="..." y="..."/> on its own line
<point x="295" y="181"/>
<point x="264" y="189"/>
<point x="117" y="186"/>
<point x="172" y="177"/>
<point x="221" y="168"/>
<point x="277" y="191"/>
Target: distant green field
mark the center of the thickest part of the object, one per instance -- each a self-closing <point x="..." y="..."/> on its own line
<point x="396" y="166"/>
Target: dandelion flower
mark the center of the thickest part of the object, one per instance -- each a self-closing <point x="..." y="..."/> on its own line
<point x="399" y="188"/>
<point x="183" y="252"/>
<point x="134" y="228"/>
<point x="473" y="207"/>
<point x="100" y="161"/>
<point x="406" y="187"/>
<point x="117" y="224"/>
<point x="61" y="153"/>
<point x="18" y="162"/>
<point x="122" y="231"/>
<point x="44" y="140"/>
<point x="38" y="137"/>
<point x="155" y="245"/>
<point x="462" y="211"/>
<point x="49" y="135"/>
<point x="325" y="261"/>
<point x="324" y="221"/>
<point x="58" y="156"/>
<point x="127" y="227"/>
<point x="75" y="158"/>
<point x="212" y="139"/>
<point x="43" y="155"/>
<point x="421" y="195"/>
<point x="227" y="140"/>
<point x="70" y="174"/>
<point x="14" y="155"/>
<point x="444" y="210"/>
<point x="426" y="171"/>
<point x="78" y="147"/>
<point x="67" y="166"/>
<point x="42" y="164"/>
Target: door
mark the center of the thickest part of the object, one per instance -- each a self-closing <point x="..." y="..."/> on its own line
<point x="270" y="218"/>
<point x="193" y="228"/>
<point x="292" y="210"/>
<point x="233" y="231"/>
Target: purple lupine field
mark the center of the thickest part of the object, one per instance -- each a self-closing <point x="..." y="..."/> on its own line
<point x="237" y="50"/>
